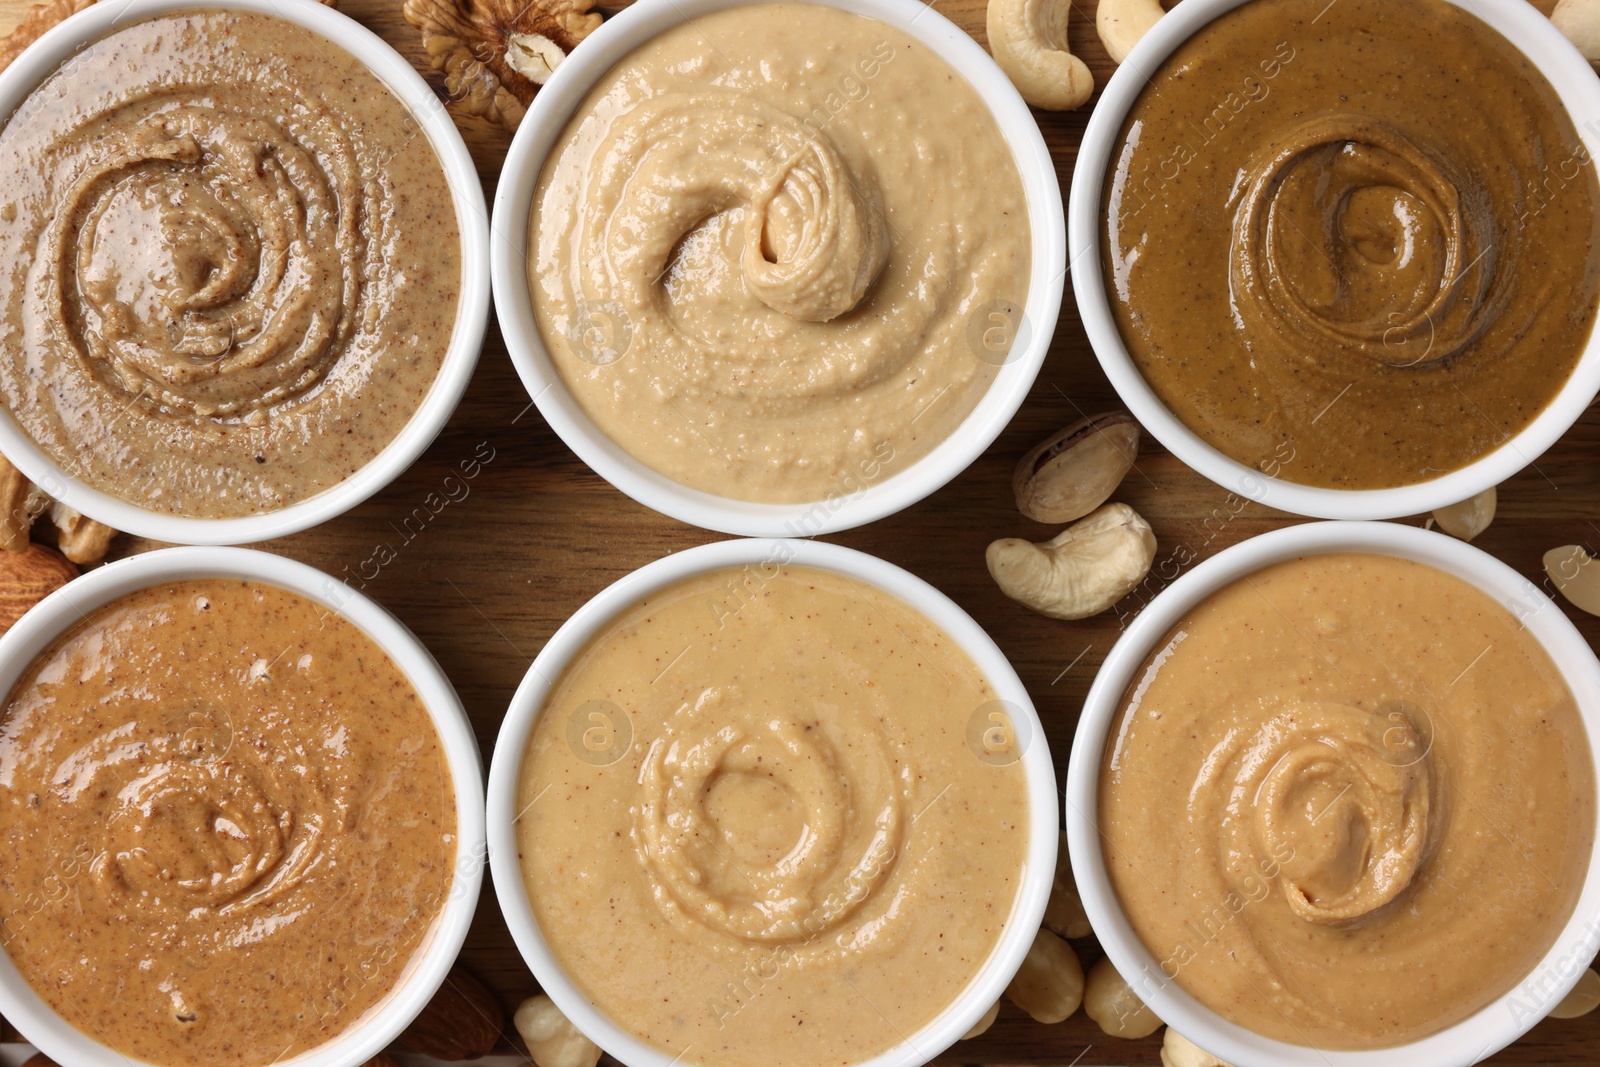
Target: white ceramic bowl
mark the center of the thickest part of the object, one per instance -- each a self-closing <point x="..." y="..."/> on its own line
<point x="505" y="770"/>
<point x="1496" y="1025"/>
<point x="1574" y="81"/>
<point x="34" y="633"/>
<point x="513" y="204"/>
<point x="58" y="45"/>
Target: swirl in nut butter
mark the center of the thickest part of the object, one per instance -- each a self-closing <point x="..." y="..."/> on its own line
<point x="845" y="807"/>
<point x="1355" y="247"/>
<point x="1337" y="776"/>
<point x="231" y="264"/>
<point x="762" y="250"/>
<point x="801" y="857"/>
<point x="219" y="795"/>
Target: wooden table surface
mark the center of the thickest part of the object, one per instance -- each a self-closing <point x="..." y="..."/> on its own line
<point x="486" y="581"/>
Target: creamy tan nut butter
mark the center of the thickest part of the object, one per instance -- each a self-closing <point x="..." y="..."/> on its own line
<point x="1348" y="801"/>
<point x="755" y="830"/>
<point x="779" y="252"/>
<point x="229" y="264"/>
<point x="1357" y="244"/>
<point x="229" y="825"/>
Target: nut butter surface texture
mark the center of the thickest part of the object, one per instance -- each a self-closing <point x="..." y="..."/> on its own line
<point x="1352" y="244"/>
<point x="229" y="264"/>
<point x="1347" y="802"/>
<point x="772" y="816"/>
<point x="780" y="253"/>
<point x="228" y="825"/>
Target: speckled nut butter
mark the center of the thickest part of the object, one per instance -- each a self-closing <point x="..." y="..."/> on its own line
<point x="229" y="264"/>
<point x="772" y="817"/>
<point x="1355" y="245"/>
<point x="1347" y="802"/>
<point x="229" y="825"/>
<point x="780" y="252"/>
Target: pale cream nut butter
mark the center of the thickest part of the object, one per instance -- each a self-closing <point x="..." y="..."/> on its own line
<point x="767" y="819"/>
<point x="1348" y="801"/>
<point x="779" y="252"/>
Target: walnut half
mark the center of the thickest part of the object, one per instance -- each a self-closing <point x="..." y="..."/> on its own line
<point x="40" y="17"/>
<point x="496" y="53"/>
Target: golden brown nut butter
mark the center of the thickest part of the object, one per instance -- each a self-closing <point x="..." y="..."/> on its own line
<point x="769" y="819"/>
<point x="229" y="264"/>
<point x="1354" y="242"/>
<point x="229" y="825"/>
<point x="1348" y="801"/>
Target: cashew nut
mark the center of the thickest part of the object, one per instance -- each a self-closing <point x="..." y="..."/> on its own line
<point x="1580" y="21"/>
<point x="552" y="1040"/>
<point x="983" y="1024"/>
<point x="1583" y="999"/>
<point x="1071" y="473"/>
<point x="1576" y="575"/>
<point x="1083" y="570"/>
<point x="1122" y="22"/>
<point x="1029" y="41"/>
<point x="1049" y="985"/>
<point x="1179" y="1051"/>
<point x="1064" y="914"/>
<point x="80" y="538"/>
<point x="1111" y="1002"/>
<point x="1470" y="517"/>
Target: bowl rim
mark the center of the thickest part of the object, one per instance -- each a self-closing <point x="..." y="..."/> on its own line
<point x="60" y="43"/>
<point x="851" y="504"/>
<point x="429" y="965"/>
<point x="1498" y="1023"/>
<point x="1533" y="35"/>
<point x="1033" y="890"/>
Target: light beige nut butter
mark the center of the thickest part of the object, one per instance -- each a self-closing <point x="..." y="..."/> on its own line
<point x="229" y="264"/>
<point x="779" y="252"/>
<point x="763" y="822"/>
<point x="1356" y="245"/>
<point x="1348" y="801"/>
<point x="229" y="825"/>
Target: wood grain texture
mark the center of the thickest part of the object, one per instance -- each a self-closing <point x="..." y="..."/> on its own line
<point x="486" y="581"/>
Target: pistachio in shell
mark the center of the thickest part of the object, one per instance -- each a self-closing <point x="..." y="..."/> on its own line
<point x="1072" y="472"/>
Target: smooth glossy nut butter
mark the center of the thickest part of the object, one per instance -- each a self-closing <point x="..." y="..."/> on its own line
<point x="772" y="816"/>
<point x="1355" y="245"/>
<point x="229" y="825"/>
<point x="1347" y="802"/>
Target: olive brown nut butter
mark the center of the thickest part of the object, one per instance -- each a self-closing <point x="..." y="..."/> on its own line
<point x="229" y="825"/>
<point x="1348" y="801"/>
<point x="779" y="252"/>
<point x="755" y="829"/>
<point x="1355" y="245"/>
<point x="229" y="264"/>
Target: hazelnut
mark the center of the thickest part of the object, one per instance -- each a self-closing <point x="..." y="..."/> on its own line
<point x="1049" y="984"/>
<point x="1110" y="1001"/>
